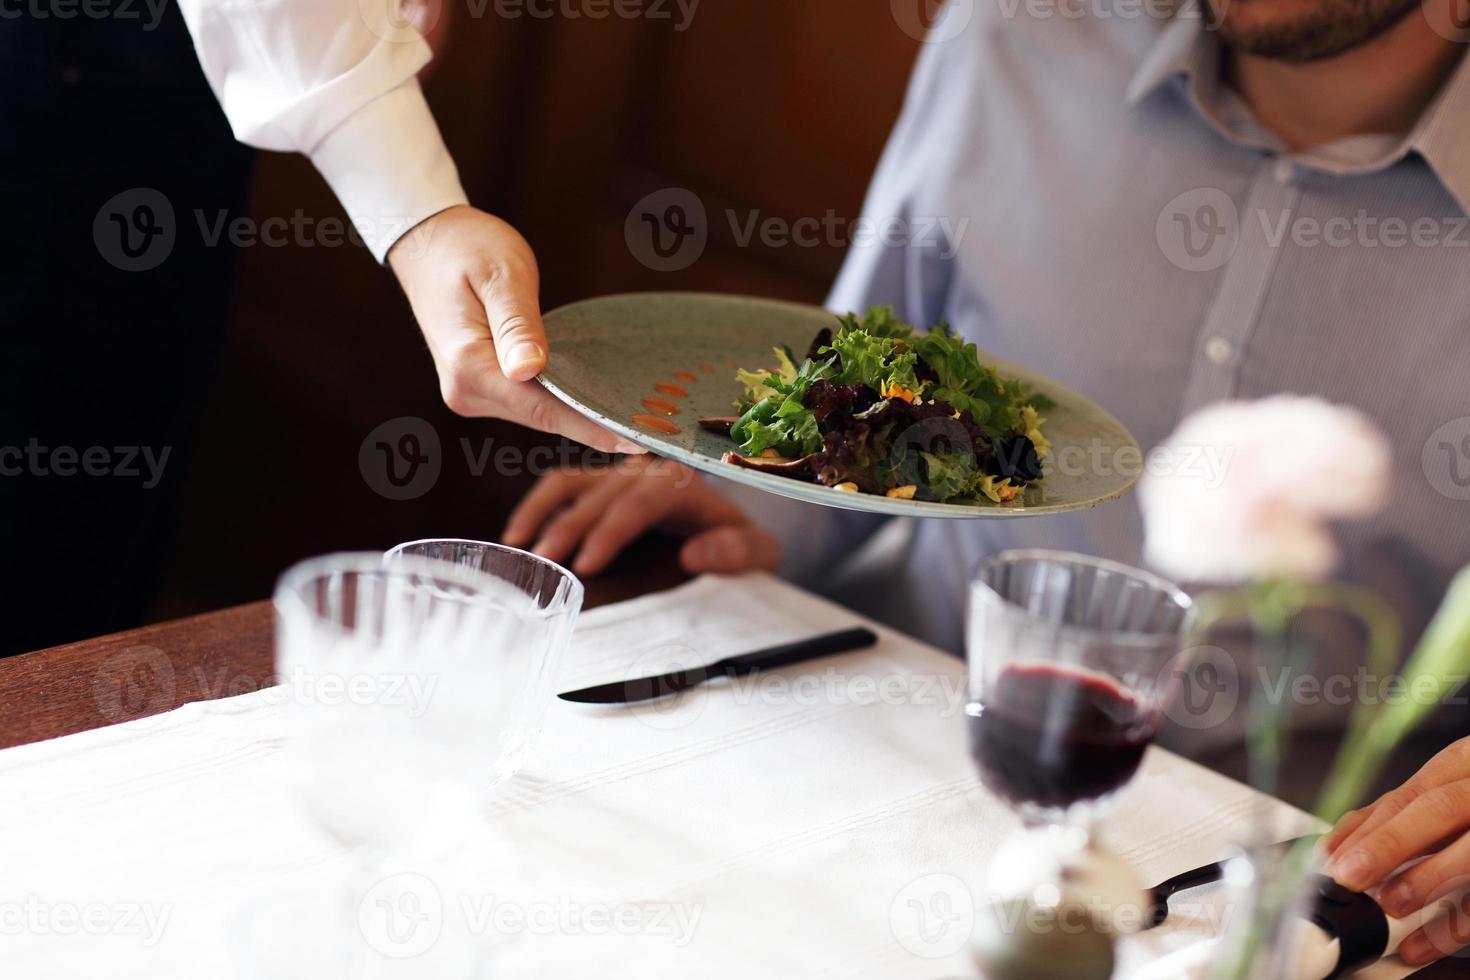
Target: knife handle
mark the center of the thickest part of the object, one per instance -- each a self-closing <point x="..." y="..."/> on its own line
<point x="795" y="652"/>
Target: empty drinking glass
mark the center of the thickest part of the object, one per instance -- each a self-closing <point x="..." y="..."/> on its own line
<point x="539" y="601"/>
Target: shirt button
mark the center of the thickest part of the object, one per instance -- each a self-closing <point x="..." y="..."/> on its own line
<point x="1219" y="350"/>
<point x="1284" y="172"/>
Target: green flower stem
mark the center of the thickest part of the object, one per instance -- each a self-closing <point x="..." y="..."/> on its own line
<point x="1442" y="656"/>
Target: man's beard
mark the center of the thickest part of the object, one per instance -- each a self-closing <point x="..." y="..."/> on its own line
<point x="1329" y="28"/>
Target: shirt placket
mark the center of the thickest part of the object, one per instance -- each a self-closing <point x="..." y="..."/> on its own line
<point x="1269" y="208"/>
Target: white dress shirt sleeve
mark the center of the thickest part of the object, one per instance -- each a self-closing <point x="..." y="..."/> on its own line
<point x="337" y="81"/>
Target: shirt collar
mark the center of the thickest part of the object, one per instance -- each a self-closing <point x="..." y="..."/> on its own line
<point x="1442" y="136"/>
<point x="1179" y="50"/>
<point x="1185" y="49"/>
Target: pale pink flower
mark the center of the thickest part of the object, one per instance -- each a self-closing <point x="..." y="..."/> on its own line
<point x="1245" y="490"/>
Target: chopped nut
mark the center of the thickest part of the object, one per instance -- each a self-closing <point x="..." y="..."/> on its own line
<point x="847" y="487"/>
<point x="902" y="493"/>
<point x="1006" y="491"/>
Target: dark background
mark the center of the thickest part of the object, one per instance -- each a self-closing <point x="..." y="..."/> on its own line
<point x="560" y="125"/>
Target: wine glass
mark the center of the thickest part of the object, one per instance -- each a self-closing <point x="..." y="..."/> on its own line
<point x="544" y="599"/>
<point x="1071" y="665"/>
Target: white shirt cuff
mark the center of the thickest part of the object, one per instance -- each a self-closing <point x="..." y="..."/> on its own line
<point x="389" y="167"/>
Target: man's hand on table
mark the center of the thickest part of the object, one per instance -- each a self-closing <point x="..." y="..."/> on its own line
<point x="1428" y="815"/>
<point x="595" y="513"/>
<point x="473" y="285"/>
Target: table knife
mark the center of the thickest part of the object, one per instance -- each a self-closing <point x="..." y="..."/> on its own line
<point x="647" y="688"/>
<point x="1160" y="894"/>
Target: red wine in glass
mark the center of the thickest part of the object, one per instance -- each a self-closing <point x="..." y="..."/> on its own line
<point x="1050" y="736"/>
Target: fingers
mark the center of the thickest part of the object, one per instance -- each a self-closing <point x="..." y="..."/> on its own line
<point x="1431" y="879"/>
<point x="560" y="538"/>
<point x="473" y="386"/>
<point x="731" y="549"/>
<point x="1444" y="936"/>
<point x="1379" y="847"/>
<point x="1348" y="823"/>
<point x="627" y="518"/>
<point x="540" y="502"/>
<point x="509" y="289"/>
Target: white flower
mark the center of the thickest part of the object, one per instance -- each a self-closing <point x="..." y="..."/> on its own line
<point x="1245" y="489"/>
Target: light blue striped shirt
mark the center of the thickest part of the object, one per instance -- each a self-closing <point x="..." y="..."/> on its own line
<point x="1119" y="221"/>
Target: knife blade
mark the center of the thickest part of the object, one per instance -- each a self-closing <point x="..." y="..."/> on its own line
<point x="1160" y="894"/>
<point x="662" y="685"/>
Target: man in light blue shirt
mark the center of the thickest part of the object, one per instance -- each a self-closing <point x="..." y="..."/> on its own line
<point x="1119" y="216"/>
<point x="1160" y="211"/>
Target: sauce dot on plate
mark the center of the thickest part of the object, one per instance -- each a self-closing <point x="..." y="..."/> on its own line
<point x="707" y="368"/>
<point x="673" y="391"/>
<point x="657" y="423"/>
<point x="686" y="376"/>
<point x="659" y="405"/>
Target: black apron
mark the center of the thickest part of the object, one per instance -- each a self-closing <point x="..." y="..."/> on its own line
<point x="113" y="306"/>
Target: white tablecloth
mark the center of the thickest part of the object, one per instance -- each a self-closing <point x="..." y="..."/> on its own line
<point x="820" y="821"/>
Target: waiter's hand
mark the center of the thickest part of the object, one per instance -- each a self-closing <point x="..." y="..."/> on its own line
<point x="473" y="285"/>
<point x="1428" y="815"/>
<point x="596" y="513"/>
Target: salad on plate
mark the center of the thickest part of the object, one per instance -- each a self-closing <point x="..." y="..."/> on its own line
<point x="877" y="407"/>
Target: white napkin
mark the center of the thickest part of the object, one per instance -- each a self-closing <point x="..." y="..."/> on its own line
<point x="819" y="821"/>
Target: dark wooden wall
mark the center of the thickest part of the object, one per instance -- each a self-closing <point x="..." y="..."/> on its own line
<point x="560" y="125"/>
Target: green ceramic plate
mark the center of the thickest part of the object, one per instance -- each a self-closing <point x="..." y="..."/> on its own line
<point x="610" y="354"/>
